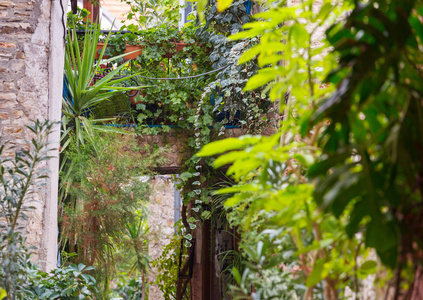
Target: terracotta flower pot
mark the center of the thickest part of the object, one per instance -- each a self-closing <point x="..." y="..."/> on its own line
<point x="179" y="47"/>
<point x="129" y="48"/>
<point x="132" y="94"/>
<point x="100" y="46"/>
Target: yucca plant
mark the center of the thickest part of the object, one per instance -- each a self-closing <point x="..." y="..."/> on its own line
<point x="84" y="92"/>
<point x="136" y="231"/>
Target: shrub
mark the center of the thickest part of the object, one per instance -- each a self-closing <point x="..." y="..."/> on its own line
<point x="105" y="191"/>
<point x="21" y="181"/>
<point x="62" y="283"/>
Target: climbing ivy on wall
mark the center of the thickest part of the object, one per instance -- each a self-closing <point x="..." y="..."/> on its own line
<point x="230" y="103"/>
<point x="229" y="84"/>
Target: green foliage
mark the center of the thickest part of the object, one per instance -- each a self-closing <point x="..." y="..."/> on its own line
<point x="128" y="289"/>
<point x="373" y="140"/>
<point x="343" y="172"/>
<point x="117" y="107"/>
<point x="106" y="194"/>
<point x="171" y="101"/>
<point x="270" y="268"/>
<point x="228" y="105"/>
<point x="168" y="265"/>
<point x="68" y="283"/>
<point x="83" y="91"/>
<point x="21" y="179"/>
<point x="78" y="21"/>
<point x="153" y="13"/>
<point x="135" y="252"/>
<point x="280" y="224"/>
<point x="251" y="109"/>
<point x="212" y="103"/>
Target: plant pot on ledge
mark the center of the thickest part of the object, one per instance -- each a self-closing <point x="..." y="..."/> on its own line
<point x="129" y="48"/>
<point x="179" y="47"/>
<point x="132" y="97"/>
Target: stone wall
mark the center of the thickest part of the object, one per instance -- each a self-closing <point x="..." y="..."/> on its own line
<point x="31" y="68"/>
<point x="160" y="220"/>
<point x="176" y="141"/>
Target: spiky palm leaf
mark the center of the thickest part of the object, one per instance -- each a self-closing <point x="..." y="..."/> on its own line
<point x="84" y="92"/>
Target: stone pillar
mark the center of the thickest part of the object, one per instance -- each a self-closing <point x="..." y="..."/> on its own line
<point x="160" y="220"/>
<point x="55" y="68"/>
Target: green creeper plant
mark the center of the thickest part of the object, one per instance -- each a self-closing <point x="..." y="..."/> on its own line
<point x="151" y="13"/>
<point x="168" y="265"/>
<point x="22" y="177"/>
<point x="79" y="20"/>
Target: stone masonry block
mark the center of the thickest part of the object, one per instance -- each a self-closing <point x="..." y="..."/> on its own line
<point x="24" y="4"/>
<point x="18" y="114"/>
<point x="9" y="153"/>
<point x="25" y="12"/>
<point x="20" y="55"/>
<point x="17" y="65"/>
<point x="12" y="129"/>
<point x="6" y="55"/>
<point x="4" y="45"/>
<point x="7" y="96"/>
<point x="7" y="86"/>
<point x="10" y="28"/>
<point x="8" y="104"/>
<point x="4" y="116"/>
<point x="17" y="18"/>
<point x="4" y="63"/>
<point x="6" y="3"/>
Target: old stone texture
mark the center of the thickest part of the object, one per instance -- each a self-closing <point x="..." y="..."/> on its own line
<point x="24" y="82"/>
<point x="160" y="220"/>
<point x="176" y="141"/>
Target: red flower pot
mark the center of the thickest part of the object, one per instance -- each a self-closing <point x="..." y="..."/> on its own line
<point x="129" y="48"/>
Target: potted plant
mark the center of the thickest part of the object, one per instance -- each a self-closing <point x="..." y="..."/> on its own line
<point x="84" y="89"/>
<point x="122" y="43"/>
<point x="155" y="43"/>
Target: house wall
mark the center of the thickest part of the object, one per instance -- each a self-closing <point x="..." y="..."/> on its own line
<point x="31" y="75"/>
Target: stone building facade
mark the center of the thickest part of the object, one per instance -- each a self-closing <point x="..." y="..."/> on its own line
<point x="161" y="222"/>
<point x="31" y="75"/>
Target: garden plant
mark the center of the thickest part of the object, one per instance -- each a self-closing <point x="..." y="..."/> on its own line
<point x="321" y="195"/>
<point x="341" y="175"/>
<point x="22" y="179"/>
